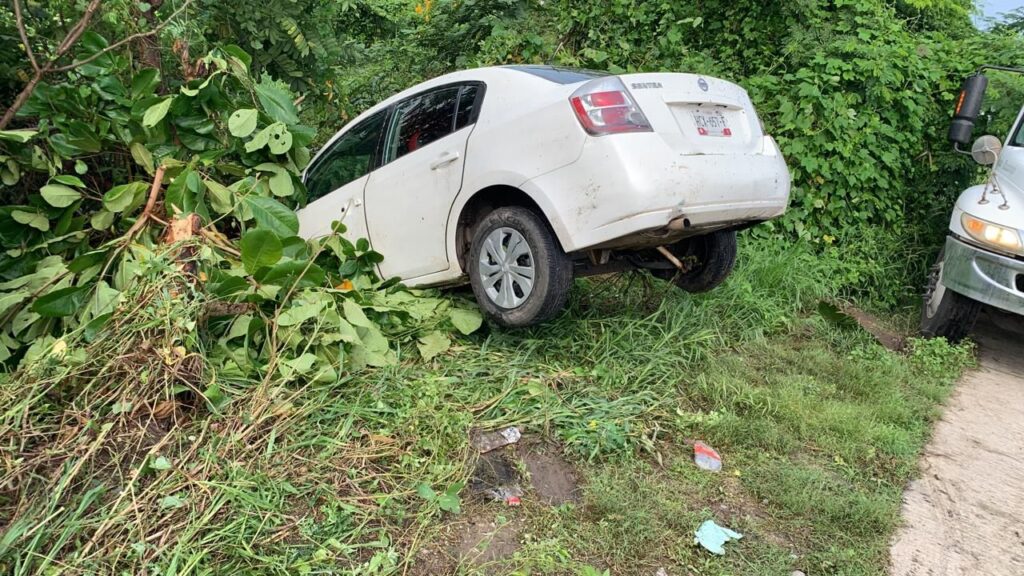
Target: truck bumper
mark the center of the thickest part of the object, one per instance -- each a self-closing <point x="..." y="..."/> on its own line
<point x="984" y="276"/>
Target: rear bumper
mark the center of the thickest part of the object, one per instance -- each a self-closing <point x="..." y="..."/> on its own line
<point x="984" y="276"/>
<point x="631" y="183"/>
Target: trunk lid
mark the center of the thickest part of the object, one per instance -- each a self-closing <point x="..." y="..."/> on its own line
<point x="697" y="114"/>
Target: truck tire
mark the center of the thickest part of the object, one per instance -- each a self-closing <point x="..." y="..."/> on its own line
<point x="945" y="313"/>
<point x="713" y="257"/>
<point x="519" y="273"/>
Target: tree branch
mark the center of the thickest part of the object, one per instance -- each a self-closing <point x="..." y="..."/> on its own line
<point x="69" y="42"/>
<point x="124" y="41"/>
<point x="76" y="31"/>
<point x="24" y="35"/>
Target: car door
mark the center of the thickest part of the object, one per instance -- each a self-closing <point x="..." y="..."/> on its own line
<point x="336" y="180"/>
<point x="408" y="199"/>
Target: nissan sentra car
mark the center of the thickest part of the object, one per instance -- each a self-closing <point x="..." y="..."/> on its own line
<point x="518" y="178"/>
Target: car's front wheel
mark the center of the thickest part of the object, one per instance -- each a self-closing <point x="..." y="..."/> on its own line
<point x="945" y="313"/>
<point x="708" y="260"/>
<point x="519" y="273"/>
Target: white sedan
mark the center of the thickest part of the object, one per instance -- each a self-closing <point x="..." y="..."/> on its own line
<point x="517" y="178"/>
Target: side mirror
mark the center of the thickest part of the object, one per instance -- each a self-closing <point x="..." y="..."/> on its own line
<point x="968" y="106"/>
<point x="986" y="150"/>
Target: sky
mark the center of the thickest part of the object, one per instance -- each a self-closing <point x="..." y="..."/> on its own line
<point x="996" y="7"/>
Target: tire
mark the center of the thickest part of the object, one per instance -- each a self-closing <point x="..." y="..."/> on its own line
<point x="713" y="256"/>
<point x="944" y="313"/>
<point x="502" y="289"/>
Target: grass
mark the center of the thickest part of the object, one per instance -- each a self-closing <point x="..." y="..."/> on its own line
<point x="819" y="427"/>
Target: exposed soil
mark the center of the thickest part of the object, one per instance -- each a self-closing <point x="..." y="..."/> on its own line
<point x="552" y="479"/>
<point x="965" y="515"/>
<point x="478" y="538"/>
<point x="876" y="328"/>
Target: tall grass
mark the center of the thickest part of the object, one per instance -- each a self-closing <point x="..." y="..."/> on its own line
<point x="277" y="478"/>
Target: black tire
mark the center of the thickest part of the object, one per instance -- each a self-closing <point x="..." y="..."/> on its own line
<point x="944" y="313"/>
<point x="552" y="267"/>
<point x="712" y="256"/>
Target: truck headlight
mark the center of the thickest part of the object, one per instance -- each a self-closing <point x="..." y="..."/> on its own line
<point x="991" y="234"/>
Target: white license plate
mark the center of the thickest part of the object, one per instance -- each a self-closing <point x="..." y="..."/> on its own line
<point x="711" y="123"/>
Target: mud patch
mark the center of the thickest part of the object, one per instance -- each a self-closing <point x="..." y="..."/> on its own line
<point x="552" y="479"/>
<point x="482" y="538"/>
<point x="496" y="477"/>
<point x="477" y="541"/>
<point x="876" y="328"/>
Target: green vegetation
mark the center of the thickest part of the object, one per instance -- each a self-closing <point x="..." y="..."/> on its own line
<point x="235" y="399"/>
<point x="820" y="428"/>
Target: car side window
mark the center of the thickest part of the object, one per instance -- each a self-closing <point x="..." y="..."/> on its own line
<point x="349" y="158"/>
<point x="468" y="102"/>
<point x="421" y="120"/>
<point x="1018" y="137"/>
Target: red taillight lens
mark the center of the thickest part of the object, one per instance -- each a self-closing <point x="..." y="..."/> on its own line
<point x="605" y="107"/>
<point x="601" y="99"/>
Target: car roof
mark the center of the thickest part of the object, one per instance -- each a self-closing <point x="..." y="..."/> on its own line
<point x="474" y="74"/>
<point x="540" y="76"/>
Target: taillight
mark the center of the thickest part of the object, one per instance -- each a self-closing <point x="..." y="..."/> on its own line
<point x="604" y="106"/>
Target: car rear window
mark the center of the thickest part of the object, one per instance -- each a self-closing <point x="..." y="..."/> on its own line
<point x="560" y="75"/>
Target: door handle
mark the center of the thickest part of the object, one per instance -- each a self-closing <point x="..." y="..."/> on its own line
<point x="445" y="159"/>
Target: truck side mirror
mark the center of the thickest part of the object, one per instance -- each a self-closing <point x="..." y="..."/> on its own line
<point x="986" y="150"/>
<point x="968" y="106"/>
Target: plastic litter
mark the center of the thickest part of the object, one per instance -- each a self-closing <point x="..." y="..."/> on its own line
<point x="504" y="493"/>
<point x="713" y="537"/>
<point x="488" y="441"/>
<point x="513" y="501"/>
<point x="661" y="572"/>
<point x="706" y="458"/>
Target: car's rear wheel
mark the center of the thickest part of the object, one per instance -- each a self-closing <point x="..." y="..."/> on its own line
<point x="708" y="260"/>
<point x="519" y="273"/>
<point x="946" y="314"/>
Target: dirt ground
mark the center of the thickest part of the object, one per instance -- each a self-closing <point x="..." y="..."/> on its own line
<point x="965" y="515"/>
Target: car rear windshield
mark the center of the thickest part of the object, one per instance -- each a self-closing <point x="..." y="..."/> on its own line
<point x="560" y="75"/>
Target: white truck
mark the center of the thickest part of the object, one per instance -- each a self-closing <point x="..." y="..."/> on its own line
<point x="982" y="261"/>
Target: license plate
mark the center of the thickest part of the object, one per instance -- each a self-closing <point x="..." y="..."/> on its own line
<point x="711" y="123"/>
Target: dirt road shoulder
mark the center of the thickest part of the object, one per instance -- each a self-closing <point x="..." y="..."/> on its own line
<point x="965" y="515"/>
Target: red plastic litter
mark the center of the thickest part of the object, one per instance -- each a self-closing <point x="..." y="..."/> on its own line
<point x="513" y="501"/>
<point x="706" y="458"/>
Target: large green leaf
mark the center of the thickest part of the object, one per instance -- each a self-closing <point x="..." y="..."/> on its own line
<point x="221" y="197"/>
<point x="155" y="113"/>
<point x="20" y="136"/>
<point x="277" y="102"/>
<point x="433" y="344"/>
<point x="63" y="302"/>
<point x="261" y="139"/>
<point x="143" y="157"/>
<point x="101" y="219"/>
<point x="119" y="198"/>
<point x="10" y="172"/>
<point x="59" y="195"/>
<point x="36" y="220"/>
<point x="274" y="216"/>
<point x="242" y="122"/>
<point x="354" y="314"/>
<point x="297" y="314"/>
<point x="466" y="321"/>
<point x="11" y="298"/>
<point x="145" y="82"/>
<point x="286" y="272"/>
<point x="260" y="248"/>
<point x="280" y="139"/>
<point x="281" y="184"/>
<point x="69" y="180"/>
